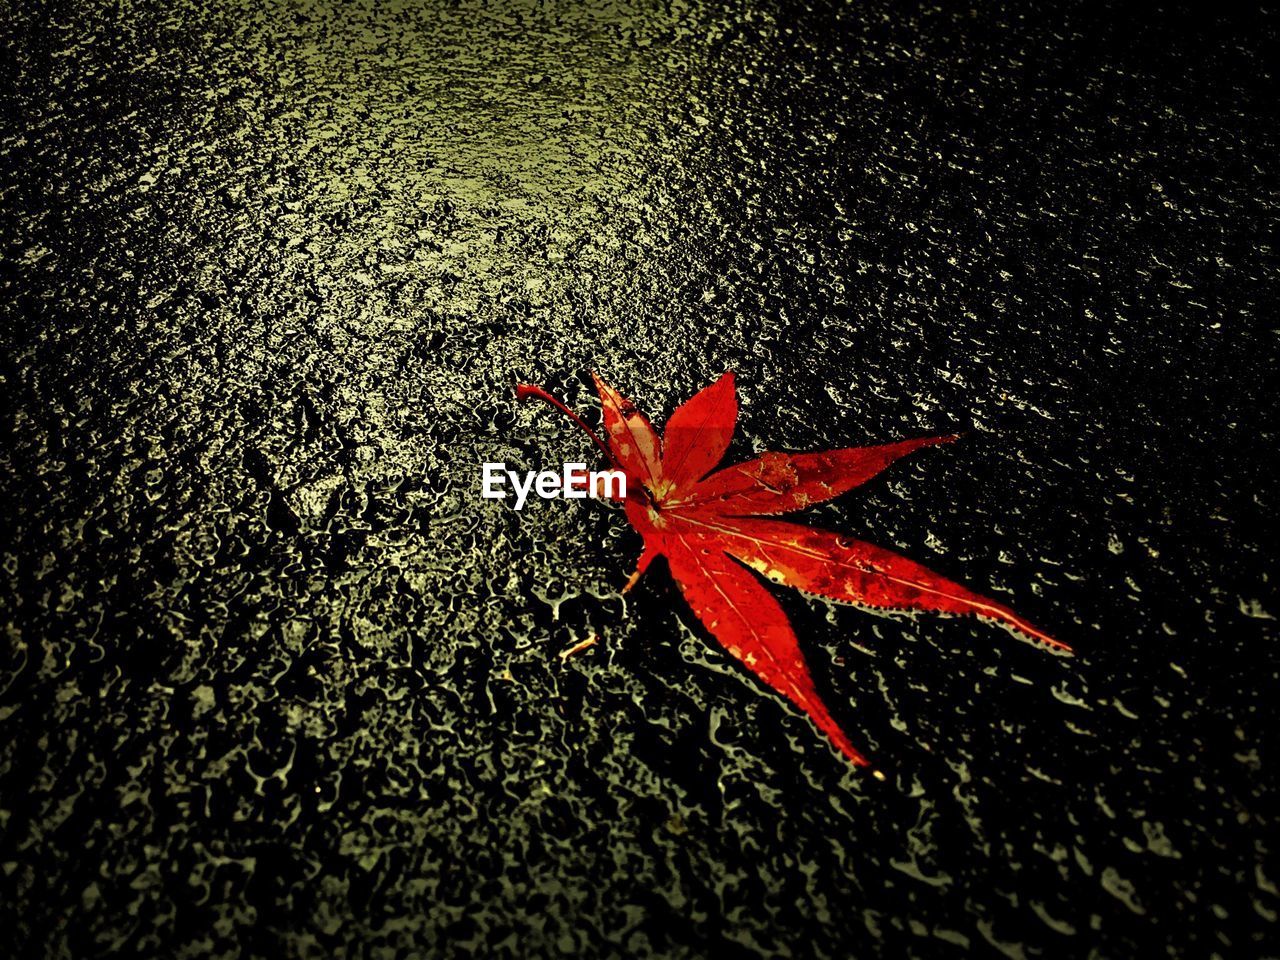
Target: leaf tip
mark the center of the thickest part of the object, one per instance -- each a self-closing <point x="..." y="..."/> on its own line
<point x="1036" y="635"/>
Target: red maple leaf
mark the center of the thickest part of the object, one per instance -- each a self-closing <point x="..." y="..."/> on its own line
<point x="711" y="529"/>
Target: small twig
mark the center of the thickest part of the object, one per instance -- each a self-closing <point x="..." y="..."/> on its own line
<point x="578" y="647"/>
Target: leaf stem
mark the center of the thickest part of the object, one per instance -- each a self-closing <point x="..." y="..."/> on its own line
<point x="526" y="390"/>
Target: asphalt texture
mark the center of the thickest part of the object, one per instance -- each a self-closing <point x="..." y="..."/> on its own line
<point x="277" y="682"/>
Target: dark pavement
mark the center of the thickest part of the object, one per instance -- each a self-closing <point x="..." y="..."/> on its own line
<point x="278" y="683"/>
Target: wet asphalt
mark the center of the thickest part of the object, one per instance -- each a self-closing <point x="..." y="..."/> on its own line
<point x="277" y="682"/>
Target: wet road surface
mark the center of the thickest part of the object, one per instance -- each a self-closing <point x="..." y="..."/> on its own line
<point x="278" y="682"/>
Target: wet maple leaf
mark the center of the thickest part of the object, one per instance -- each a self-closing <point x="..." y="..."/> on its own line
<point x="713" y="531"/>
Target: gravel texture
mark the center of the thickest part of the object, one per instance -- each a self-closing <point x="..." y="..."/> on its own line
<point x="277" y="682"/>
